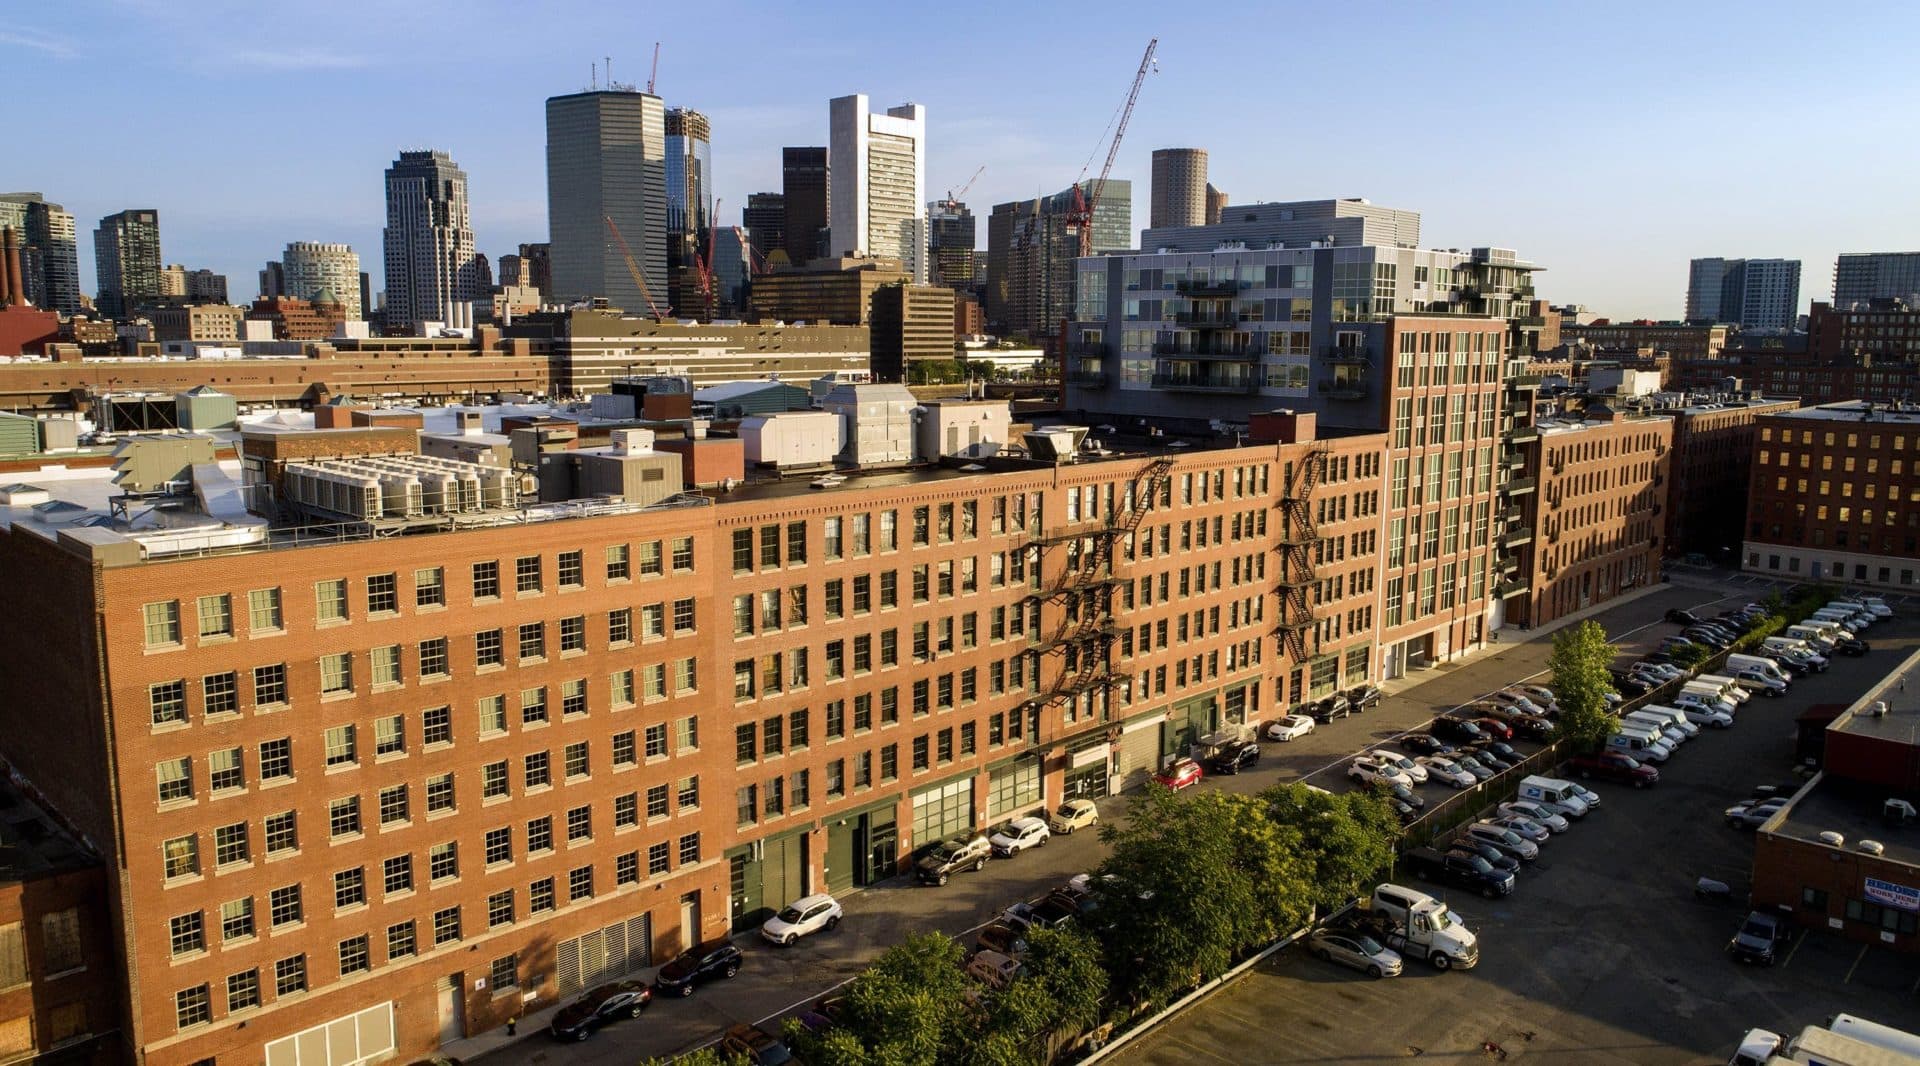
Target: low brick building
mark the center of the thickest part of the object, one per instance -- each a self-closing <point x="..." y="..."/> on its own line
<point x="1835" y="495"/>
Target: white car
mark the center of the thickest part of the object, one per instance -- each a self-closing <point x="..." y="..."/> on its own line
<point x="1367" y="770"/>
<point x="1073" y="814"/>
<point x="802" y="917"/>
<point x="1018" y="835"/>
<point x="1877" y="605"/>
<point x="1541" y="695"/>
<point x="1523" y="825"/>
<point x="1585" y="793"/>
<point x="1536" y="812"/>
<point x="1293" y="725"/>
<point x="1518" y="702"/>
<point x="1440" y="768"/>
<point x="1402" y="763"/>
<point x="1750" y="815"/>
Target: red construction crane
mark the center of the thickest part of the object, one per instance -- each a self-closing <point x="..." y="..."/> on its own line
<point x="954" y="197"/>
<point x="633" y="268"/>
<point x="1081" y="213"/>
<point x="704" y="263"/>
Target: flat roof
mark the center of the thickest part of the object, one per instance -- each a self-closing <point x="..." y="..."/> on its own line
<point x="32" y="844"/>
<point x="1900" y="691"/>
<point x="1860" y="411"/>
<point x="1831" y="806"/>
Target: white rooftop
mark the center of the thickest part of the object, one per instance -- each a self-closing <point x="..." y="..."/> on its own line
<point x="1861" y="411"/>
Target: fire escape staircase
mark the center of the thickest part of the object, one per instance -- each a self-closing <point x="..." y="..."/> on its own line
<point x="1298" y="537"/>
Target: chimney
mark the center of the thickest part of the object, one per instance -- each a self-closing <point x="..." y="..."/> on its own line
<point x="12" y="291"/>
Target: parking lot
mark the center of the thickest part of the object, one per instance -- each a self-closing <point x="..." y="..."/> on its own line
<point x="1602" y="954"/>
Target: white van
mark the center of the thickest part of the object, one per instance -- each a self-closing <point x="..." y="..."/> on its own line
<point x="1661" y="731"/>
<point x="1552" y="790"/>
<point x="1711" y="695"/>
<point x="1858" y="608"/>
<point x="1817" y="634"/>
<point x="1729" y="688"/>
<point x="1877" y="605"/>
<point x="1845" y="627"/>
<point x="1671" y="717"/>
<point x="1761" y="663"/>
<point x="1640" y="745"/>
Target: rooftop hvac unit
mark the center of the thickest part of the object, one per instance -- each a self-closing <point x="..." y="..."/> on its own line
<point x="1830" y="837"/>
<point x="402" y="496"/>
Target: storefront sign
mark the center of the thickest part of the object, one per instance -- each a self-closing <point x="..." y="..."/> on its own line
<point x="1907" y="899"/>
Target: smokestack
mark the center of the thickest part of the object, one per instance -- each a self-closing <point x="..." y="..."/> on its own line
<point x="11" y="290"/>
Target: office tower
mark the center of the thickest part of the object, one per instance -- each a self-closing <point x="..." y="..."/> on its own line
<point x="1179" y="194"/>
<point x="430" y="260"/>
<point x="192" y="286"/>
<point x="951" y="238"/>
<point x="765" y="220"/>
<point x="512" y="270"/>
<point x="807" y="186"/>
<point x="1750" y="293"/>
<point x="607" y="170"/>
<point x="689" y="207"/>
<point x="730" y="271"/>
<point x="126" y="258"/>
<point x="1861" y="277"/>
<point x="880" y="160"/>
<point x="536" y="267"/>
<point x="49" y="253"/>
<point x="316" y="272"/>
<point x="1031" y="252"/>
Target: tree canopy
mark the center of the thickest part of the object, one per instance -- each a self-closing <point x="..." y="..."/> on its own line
<point x="1581" y="655"/>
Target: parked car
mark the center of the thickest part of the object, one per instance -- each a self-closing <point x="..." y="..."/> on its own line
<point x="1541" y="695"/>
<point x="1074" y="814"/>
<point x="1443" y="769"/>
<point x="1853" y="647"/>
<point x="715" y="958"/>
<point x="1462" y="868"/>
<point x="1526" y="725"/>
<point x="1364" y="697"/>
<point x="1491" y="760"/>
<point x="1051" y="911"/>
<point x="1496" y="857"/>
<point x="803" y="917"/>
<point x="1182" y="774"/>
<point x="1505" y="839"/>
<point x="1495" y="728"/>
<point x="1401" y="763"/>
<point x="1018" y="835"/>
<point x="1424" y="744"/>
<point x="1752" y="815"/>
<point x="1664" y="671"/>
<point x="1355" y="950"/>
<point x="1527" y="828"/>
<point x="1682" y="617"/>
<point x="755" y="1045"/>
<point x="1326" y="710"/>
<point x="1474" y="766"/>
<point x="1366" y="769"/>
<point x="1003" y="938"/>
<point x="1536" y="812"/>
<point x="600" y="1006"/>
<point x="967" y="851"/>
<point x="1757" y="938"/>
<point x="1399" y="793"/>
<point x="1516" y="701"/>
<point x="1591" y="797"/>
<point x="993" y="969"/>
<point x="1628" y="684"/>
<point x="1290" y="727"/>
<point x="1455" y="729"/>
<point x="1614" y="766"/>
<point x="1233" y="757"/>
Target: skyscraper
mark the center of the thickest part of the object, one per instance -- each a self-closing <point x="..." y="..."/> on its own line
<point x="607" y="160"/>
<point x="879" y="161"/>
<point x="315" y="271"/>
<point x="951" y="240"/>
<point x="689" y="205"/>
<point x="1179" y="194"/>
<point x="429" y="241"/>
<point x="1031" y="252"/>
<point x="765" y="220"/>
<point x="807" y="185"/>
<point x="1859" y="277"/>
<point x="1751" y="293"/>
<point x="49" y="253"/>
<point x="126" y="258"/>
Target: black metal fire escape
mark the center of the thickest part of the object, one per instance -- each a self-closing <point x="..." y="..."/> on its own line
<point x="1295" y="546"/>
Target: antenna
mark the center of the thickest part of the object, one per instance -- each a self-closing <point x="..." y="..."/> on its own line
<point x="593" y="79"/>
<point x="609" y="60"/>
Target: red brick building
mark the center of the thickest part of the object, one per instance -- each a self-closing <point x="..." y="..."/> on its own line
<point x="1713" y="452"/>
<point x="1835" y="495"/>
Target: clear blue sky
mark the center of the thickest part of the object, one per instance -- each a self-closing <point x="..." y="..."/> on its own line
<point x="1610" y="142"/>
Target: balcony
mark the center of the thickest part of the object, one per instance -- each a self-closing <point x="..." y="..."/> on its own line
<point x="1520" y="485"/>
<point x="1522" y="434"/>
<point x="1507" y="590"/>
<point x="1346" y="355"/>
<point x="1524" y="381"/>
<point x="1183" y="383"/>
<point x="1093" y="348"/>
<point x="1205" y="319"/>
<point x="1173" y="350"/>
<point x="1087" y="379"/>
<point x="1342" y="388"/>
<point x="1514" y="538"/>
<point x="1513" y="460"/>
<point x="1191" y="287"/>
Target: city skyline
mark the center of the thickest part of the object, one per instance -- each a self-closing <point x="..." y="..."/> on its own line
<point x="1566" y="183"/>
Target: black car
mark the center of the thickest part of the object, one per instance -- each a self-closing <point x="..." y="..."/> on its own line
<point x="1757" y="938"/>
<point x="1334" y="706"/>
<point x="1233" y="757"/>
<point x="1424" y="744"/>
<point x="1466" y="869"/>
<point x="1713" y="638"/>
<point x="1505" y="751"/>
<point x="1398" y="792"/>
<point x="1627" y="684"/>
<point x="705" y="962"/>
<point x="1532" y="728"/>
<point x="600" y="1006"/>
<point x="1364" y="697"/>
<point x="1852" y="646"/>
<point x="1449" y="728"/>
<point x="1685" y="618"/>
<point x="1489" y="758"/>
<point x="1495" y="857"/>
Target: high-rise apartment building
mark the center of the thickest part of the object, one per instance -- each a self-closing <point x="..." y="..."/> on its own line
<point x="879" y="168"/>
<point x="765" y="220"/>
<point x="1754" y="294"/>
<point x="49" y="253"/>
<point x="317" y="272"/>
<point x="689" y="207"/>
<point x="607" y="168"/>
<point x="1031" y="249"/>
<point x="1862" y="277"/>
<point x="126" y="258"/>
<point x="1179" y="194"/>
<point x="807" y="191"/>
<point x="193" y="286"/>
<point x="1835" y="495"/>
<point x="430" y="260"/>
<point x="951" y="243"/>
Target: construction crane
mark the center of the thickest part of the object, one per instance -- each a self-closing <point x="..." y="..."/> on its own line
<point x="704" y="263"/>
<point x="633" y="268"/>
<point x="652" y="74"/>
<point x="954" y="197"/>
<point x="1080" y="215"/>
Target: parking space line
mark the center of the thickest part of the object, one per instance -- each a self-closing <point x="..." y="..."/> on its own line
<point x="1795" y="950"/>
<point x="1857" y="959"/>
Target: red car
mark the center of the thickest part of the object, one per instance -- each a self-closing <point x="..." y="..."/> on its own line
<point x="1496" y="727"/>
<point x="1182" y="773"/>
<point x="1614" y="766"/>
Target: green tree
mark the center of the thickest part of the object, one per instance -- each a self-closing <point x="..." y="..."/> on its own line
<point x="907" y="1009"/>
<point x="1579" y="663"/>
<point x="1344" y="841"/>
<point x="706" y="1056"/>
